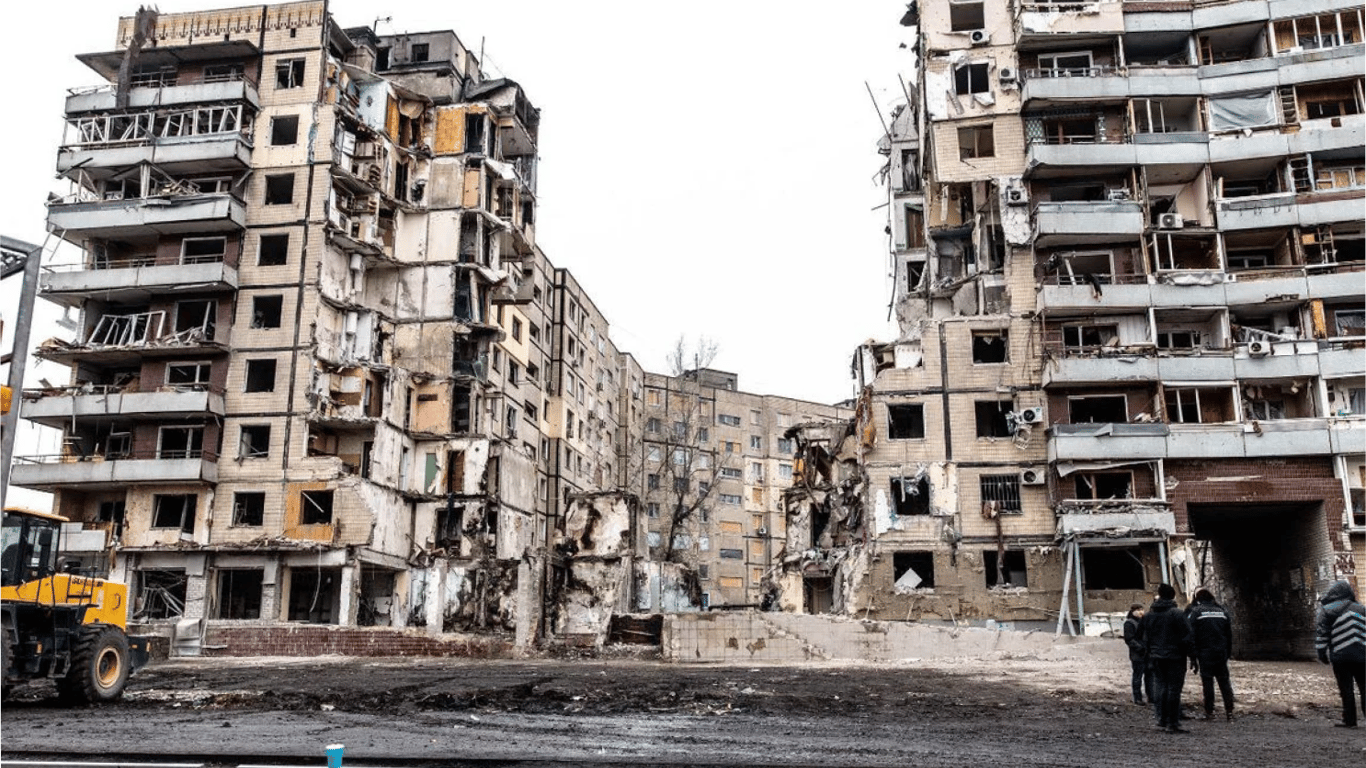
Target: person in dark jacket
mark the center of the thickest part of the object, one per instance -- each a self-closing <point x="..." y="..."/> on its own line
<point x="1212" y="633"/>
<point x="1138" y="660"/>
<point x="1340" y="639"/>
<point x="1166" y="639"/>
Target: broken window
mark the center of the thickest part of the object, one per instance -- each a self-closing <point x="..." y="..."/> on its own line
<point x="906" y="421"/>
<point x="314" y="596"/>
<point x="289" y="73"/>
<point x="266" y="311"/>
<point x="284" y="130"/>
<point x="239" y="593"/>
<point x="1199" y="406"/>
<point x="732" y="554"/>
<point x="991" y="418"/>
<point x="1005" y="569"/>
<point x="181" y="442"/>
<point x="1096" y="486"/>
<point x="787" y="446"/>
<point x="161" y="594"/>
<point x="255" y="442"/>
<point x="652" y="482"/>
<point x="188" y="375"/>
<point x="1088" y="337"/>
<point x="913" y="570"/>
<point x="249" y="508"/>
<point x="1098" y="409"/>
<point x="260" y="376"/>
<point x="194" y="320"/>
<point x="990" y="346"/>
<point x="1072" y="64"/>
<point x="1002" y="492"/>
<point x="315" y="507"/>
<point x="203" y="250"/>
<point x="971" y="78"/>
<point x="914" y="222"/>
<point x="474" y="133"/>
<point x="175" y="510"/>
<point x="911" y="495"/>
<point x="680" y="485"/>
<point x="419" y="52"/>
<point x="976" y="141"/>
<point x="1113" y="568"/>
<point x="273" y="250"/>
<point x="450" y="521"/>
<point x="280" y="189"/>
<point x="967" y="16"/>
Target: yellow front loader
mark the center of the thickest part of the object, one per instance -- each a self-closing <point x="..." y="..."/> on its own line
<point x="59" y="624"/>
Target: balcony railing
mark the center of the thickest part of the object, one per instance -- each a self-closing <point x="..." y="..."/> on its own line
<point x="114" y="470"/>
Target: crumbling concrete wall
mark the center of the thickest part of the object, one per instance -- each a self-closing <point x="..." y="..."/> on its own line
<point x="596" y="577"/>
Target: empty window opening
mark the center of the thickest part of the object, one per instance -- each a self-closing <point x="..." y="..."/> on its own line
<point x="450" y="522"/>
<point x="1084" y="337"/>
<point x="266" y="311"/>
<point x="194" y="320"/>
<point x="203" y="250"/>
<point x="1170" y="252"/>
<point x="976" y="141"/>
<point x="1083" y="129"/>
<point x="419" y="52"/>
<point x="991" y="418"/>
<point x="161" y="594"/>
<point x="913" y="570"/>
<point x="239" y="593"/>
<point x="915" y="275"/>
<point x="906" y="421"/>
<point x="1098" y="409"/>
<point x="273" y="251"/>
<point x="314" y="596"/>
<point x="181" y="442"/>
<point x="965" y="17"/>
<point x="971" y="78"/>
<point x="284" y="130"/>
<point x="315" y="507"/>
<point x="1002" y="493"/>
<point x="280" y="189"/>
<point x="1178" y="339"/>
<point x="289" y="73"/>
<point x="1074" y="64"/>
<point x="175" y="510"/>
<point x="255" y="443"/>
<point x="911" y="495"/>
<point x="1098" y="486"/>
<point x="474" y="133"/>
<point x="1199" y="406"/>
<point x="249" y="508"/>
<point x="188" y="375"/>
<point x="1005" y="571"/>
<point x="990" y="347"/>
<point x="1113" y="568"/>
<point x="260" y="376"/>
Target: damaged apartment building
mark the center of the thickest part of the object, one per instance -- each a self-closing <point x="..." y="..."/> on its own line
<point x="321" y="372"/>
<point x="1128" y="254"/>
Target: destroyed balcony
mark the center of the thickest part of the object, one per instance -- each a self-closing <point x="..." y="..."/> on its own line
<point x="203" y="140"/>
<point x="1288" y="209"/>
<point x="1302" y="66"/>
<point x="1081" y="222"/>
<point x="1101" y="367"/>
<point x="62" y="406"/>
<point x="1041" y="21"/>
<point x="1107" y="441"/>
<point x="1089" y="85"/>
<point x="222" y="62"/>
<point x="1264" y="359"/>
<point x="145" y="216"/>
<point x="1138" y="516"/>
<point x="1336" y="137"/>
<point x="1267" y="439"/>
<point x="129" y="338"/>
<point x="233" y="87"/>
<point x="133" y="282"/>
<point x="64" y="472"/>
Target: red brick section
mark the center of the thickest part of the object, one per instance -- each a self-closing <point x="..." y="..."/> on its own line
<point x="316" y="640"/>
<point x="1270" y="481"/>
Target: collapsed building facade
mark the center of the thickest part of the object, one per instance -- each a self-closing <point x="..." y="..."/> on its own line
<point x="322" y="372"/>
<point x="1128" y="254"/>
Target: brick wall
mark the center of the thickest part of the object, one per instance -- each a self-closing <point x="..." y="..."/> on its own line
<point x="316" y="640"/>
<point x="1259" y="481"/>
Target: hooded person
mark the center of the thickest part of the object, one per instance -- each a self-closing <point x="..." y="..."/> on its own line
<point x="1142" y="680"/>
<point x="1212" y="634"/>
<point x="1340" y="639"/>
<point x="1166" y="639"/>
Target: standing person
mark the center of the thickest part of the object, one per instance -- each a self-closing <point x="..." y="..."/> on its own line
<point x="1138" y="659"/>
<point x="1167" y="640"/>
<point x="1340" y="639"/>
<point x="1212" y="633"/>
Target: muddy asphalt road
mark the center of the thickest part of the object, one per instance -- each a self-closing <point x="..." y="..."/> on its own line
<point x="1017" y="712"/>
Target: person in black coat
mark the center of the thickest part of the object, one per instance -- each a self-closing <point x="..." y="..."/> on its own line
<point x="1340" y="639"/>
<point x="1138" y="660"/>
<point x="1212" y="632"/>
<point x="1166" y="638"/>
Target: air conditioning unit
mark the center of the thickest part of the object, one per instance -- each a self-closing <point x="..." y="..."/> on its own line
<point x="979" y="37"/>
<point x="1007" y="75"/>
<point x="1259" y="348"/>
<point x="763" y="531"/>
<point x="1170" y="221"/>
<point x="1032" y="477"/>
<point x="1017" y="194"/>
<point x="1031" y="416"/>
<point x="1118" y="195"/>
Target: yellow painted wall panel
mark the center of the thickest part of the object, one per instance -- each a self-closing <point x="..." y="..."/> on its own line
<point x="450" y="130"/>
<point x="391" y="118"/>
<point x="471" y="189"/>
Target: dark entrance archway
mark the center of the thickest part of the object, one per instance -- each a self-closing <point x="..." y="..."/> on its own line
<point x="1265" y="563"/>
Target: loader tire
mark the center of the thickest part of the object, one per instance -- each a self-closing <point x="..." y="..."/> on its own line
<point x="99" y="666"/>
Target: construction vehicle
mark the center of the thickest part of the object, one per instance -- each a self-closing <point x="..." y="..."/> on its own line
<point x="58" y="624"/>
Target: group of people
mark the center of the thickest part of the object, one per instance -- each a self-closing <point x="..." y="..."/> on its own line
<point x="1163" y="639"/>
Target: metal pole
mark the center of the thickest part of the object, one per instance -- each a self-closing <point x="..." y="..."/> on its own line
<point x="23" y="324"/>
<point x="1076" y="561"/>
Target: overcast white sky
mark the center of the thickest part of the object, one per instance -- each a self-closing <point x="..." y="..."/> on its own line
<point x="707" y="168"/>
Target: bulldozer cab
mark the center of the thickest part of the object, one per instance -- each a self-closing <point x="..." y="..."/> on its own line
<point x="29" y="547"/>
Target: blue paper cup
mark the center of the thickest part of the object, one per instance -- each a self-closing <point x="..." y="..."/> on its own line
<point x="334" y="755"/>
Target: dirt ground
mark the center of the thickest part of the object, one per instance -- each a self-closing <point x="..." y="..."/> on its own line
<point x="1014" y="711"/>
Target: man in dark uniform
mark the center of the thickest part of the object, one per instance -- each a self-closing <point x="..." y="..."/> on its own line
<point x="1166" y="639"/>
<point x="1213" y="636"/>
